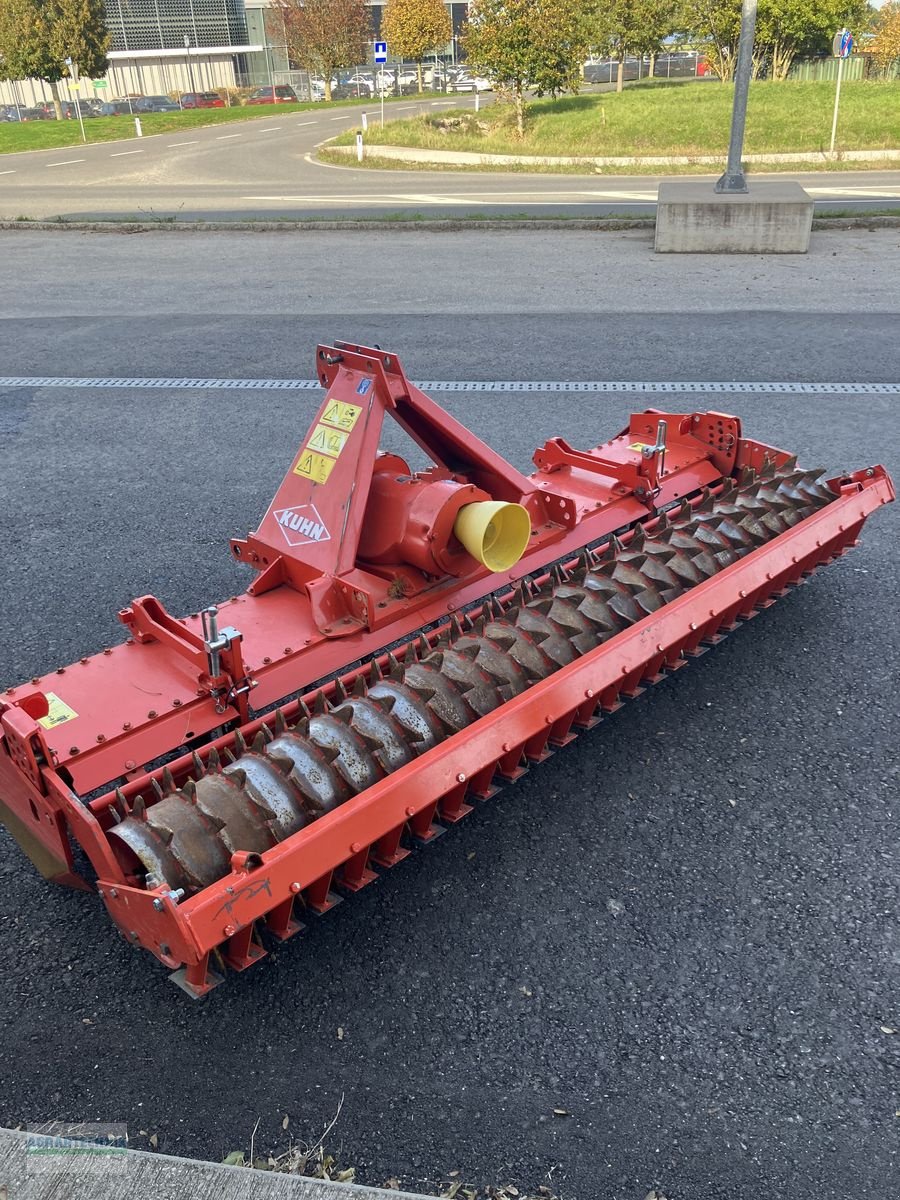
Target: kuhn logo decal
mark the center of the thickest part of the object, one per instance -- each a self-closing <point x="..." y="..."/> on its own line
<point x="302" y="525"/>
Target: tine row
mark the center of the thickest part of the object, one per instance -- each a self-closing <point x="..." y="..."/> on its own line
<point x="292" y="775"/>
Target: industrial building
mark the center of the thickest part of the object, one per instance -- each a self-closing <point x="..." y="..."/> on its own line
<point x="163" y="46"/>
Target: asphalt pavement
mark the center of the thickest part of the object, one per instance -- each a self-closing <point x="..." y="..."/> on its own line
<point x="266" y="167"/>
<point x="666" y="958"/>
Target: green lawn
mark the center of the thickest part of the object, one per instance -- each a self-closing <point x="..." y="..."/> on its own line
<point x="659" y="118"/>
<point x="48" y="135"/>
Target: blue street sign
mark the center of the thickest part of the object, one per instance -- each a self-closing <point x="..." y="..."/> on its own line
<point x="381" y="52"/>
<point x="843" y="44"/>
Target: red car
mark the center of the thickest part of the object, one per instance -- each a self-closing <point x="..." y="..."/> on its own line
<point x="202" y="100"/>
<point x="280" y="94"/>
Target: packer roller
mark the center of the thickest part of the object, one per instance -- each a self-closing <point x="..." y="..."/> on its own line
<point x="409" y="641"/>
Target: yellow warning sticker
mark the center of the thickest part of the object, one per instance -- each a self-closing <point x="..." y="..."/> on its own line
<point x="340" y="414"/>
<point x="59" y="712"/>
<point x="328" y="440"/>
<point x="641" y="446"/>
<point x="314" y="466"/>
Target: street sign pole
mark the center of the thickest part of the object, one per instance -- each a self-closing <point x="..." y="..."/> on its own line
<point x="840" y="48"/>
<point x="380" y="59"/>
<point x="73" y="72"/>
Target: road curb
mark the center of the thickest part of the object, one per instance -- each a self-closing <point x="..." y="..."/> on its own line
<point x="423" y="156"/>
<point x="425" y="225"/>
<point x="52" y="1171"/>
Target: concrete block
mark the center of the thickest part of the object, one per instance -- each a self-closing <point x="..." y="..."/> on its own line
<point x="771" y="218"/>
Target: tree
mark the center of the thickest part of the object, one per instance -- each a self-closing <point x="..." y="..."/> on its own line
<point x="637" y="27"/>
<point x="885" y="44"/>
<point x="414" y="28"/>
<point x="718" y="24"/>
<point x="37" y="36"/>
<point x="784" y="29"/>
<point x="323" y="35"/>
<point x="537" y="44"/>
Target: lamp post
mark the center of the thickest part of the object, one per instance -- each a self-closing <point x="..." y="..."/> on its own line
<point x="733" y="180"/>
<point x="187" y="50"/>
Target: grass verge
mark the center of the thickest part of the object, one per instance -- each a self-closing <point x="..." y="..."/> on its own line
<point x="53" y="135"/>
<point x="659" y="118"/>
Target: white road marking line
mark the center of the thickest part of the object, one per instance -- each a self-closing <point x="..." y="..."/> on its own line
<point x="423" y="199"/>
<point x="299" y="123"/>
<point x="122" y="153"/>
<point x="268" y="129"/>
<point x="66" y="162"/>
<point x="867" y="193"/>
<point x="172" y="145"/>
<point x="7" y="172"/>
<point x="521" y="386"/>
<point x="224" y="137"/>
<point x="343" y="117"/>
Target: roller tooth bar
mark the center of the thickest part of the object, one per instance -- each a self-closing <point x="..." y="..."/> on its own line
<point x="292" y="775"/>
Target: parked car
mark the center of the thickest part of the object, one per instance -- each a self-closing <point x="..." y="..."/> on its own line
<point x="362" y="83"/>
<point x="202" y="100"/>
<point x="279" y="94"/>
<point x="156" y="104"/>
<point x="12" y="112"/>
<point x="469" y="83"/>
<point x="117" y="108"/>
<point x="350" y="91"/>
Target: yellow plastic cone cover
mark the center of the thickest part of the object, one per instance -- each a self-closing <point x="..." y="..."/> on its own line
<point x="494" y="532"/>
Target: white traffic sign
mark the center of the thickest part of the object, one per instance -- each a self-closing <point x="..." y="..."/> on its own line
<point x="381" y="52"/>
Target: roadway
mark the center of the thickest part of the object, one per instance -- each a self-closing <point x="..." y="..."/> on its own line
<point x="666" y="958"/>
<point x="265" y="167"/>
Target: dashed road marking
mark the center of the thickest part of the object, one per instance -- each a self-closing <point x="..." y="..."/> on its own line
<point x="66" y="162"/>
<point x="7" y="172"/>
<point x="172" y="145"/>
<point x="225" y="137"/>
<point x="122" y="153"/>
<point x="521" y="386"/>
<point x="269" y="129"/>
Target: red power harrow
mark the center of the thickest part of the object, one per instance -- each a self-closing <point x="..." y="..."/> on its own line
<point x="227" y="773"/>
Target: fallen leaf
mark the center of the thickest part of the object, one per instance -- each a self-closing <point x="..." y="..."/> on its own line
<point x="470" y="856"/>
<point x="511" y="1190"/>
<point x="86" y="1021"/>
<point x="561" y="1112"/>
<point x="234" y="1159"/>
<point x="154" y="1141"/>
<point x="886" y="1029"/>
<point x="346" y="1176"/>
<point x="286" y="1121"/>
<point x="393" y="1184"/>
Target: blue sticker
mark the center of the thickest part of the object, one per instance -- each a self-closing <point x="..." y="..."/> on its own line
<point x="363" y="386"/>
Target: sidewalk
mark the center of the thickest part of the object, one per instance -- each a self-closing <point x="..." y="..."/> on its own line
<point x="125" y="1174"/>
